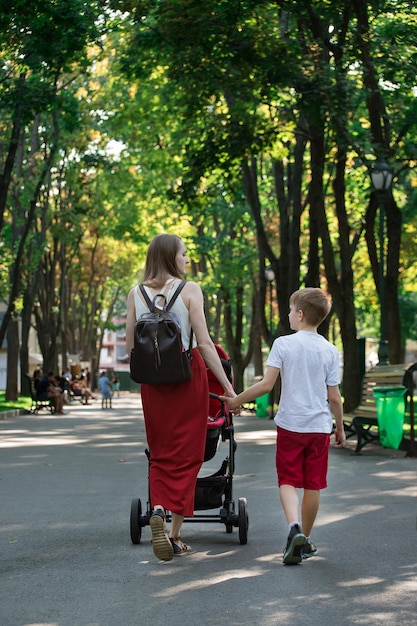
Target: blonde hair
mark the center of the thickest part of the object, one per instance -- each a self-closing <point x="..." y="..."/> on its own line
<point x="313" y="302"/>
<point x="160" y="261"/>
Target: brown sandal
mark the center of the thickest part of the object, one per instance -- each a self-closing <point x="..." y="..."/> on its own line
<point x="180" y="548"/>
<point x="162" y="546"/>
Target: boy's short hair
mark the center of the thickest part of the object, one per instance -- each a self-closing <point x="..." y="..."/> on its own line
<point x="313" y="302"/>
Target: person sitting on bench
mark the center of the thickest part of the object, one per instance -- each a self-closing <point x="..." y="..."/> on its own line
<point x="47" y="389"/>
<point x="81" y="391"/>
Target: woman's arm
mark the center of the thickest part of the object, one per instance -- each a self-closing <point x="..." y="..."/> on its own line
<point x="193" y="299"/>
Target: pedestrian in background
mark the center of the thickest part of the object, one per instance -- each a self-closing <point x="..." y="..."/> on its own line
<point x="115" y="383"/>
<point x="104" y="385"/>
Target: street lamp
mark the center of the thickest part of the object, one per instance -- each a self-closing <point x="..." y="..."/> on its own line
<point x="381" y="177"/>
<point x="270" y="277"/>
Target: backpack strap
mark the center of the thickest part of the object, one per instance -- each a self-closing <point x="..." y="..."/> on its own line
<point x="169" y="305"/>
<point x="175" y="296"/>
<point x="148" y="301"/>
<point x="151" y="304"/>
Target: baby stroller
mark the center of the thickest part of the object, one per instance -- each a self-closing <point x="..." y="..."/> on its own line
<point x="214" y="491"/>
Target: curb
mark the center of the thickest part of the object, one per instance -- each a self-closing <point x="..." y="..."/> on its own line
<point x="5" y="415"/>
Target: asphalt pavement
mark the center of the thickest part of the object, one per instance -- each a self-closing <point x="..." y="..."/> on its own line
<point x="66" y="558"/>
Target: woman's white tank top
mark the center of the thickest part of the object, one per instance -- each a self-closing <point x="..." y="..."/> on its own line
<point x="178" y="308"/>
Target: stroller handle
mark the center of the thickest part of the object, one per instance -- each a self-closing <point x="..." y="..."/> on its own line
<point x="217" y="397"/>
<point x="222" y="412"/>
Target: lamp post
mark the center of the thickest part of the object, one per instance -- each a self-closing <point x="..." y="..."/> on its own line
<point x="269" y="277"/>
<point x="381" y="177"/>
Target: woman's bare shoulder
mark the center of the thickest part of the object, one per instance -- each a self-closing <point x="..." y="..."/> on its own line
<point x="131" y="293"/>
<point x="191" y="288"/>
<point x="191" y="293"/>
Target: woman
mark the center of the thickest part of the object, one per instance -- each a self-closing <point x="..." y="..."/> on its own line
<point x="175" y="415"/>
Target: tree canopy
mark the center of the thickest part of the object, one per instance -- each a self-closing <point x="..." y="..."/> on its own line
<point x="248" y="128"/>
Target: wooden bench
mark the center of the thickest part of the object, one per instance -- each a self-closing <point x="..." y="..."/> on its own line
<point x="363" y="421"/>
<point x="38" y="404"/>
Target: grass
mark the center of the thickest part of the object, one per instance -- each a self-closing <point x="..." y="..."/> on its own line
<point x="23" y="402"/>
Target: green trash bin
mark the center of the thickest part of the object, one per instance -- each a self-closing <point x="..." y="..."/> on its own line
<point x="390" y="410"/>
<point x="262" y="405"/>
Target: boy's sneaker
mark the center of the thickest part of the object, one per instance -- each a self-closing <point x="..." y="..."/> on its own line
<point x="295" y="544"/>
<point x="308" y="550"/>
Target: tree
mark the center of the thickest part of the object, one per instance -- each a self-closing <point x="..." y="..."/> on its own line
<point x="256" y="82"/>
<point x="251" y="125"/>
<point x="31" y="84"/>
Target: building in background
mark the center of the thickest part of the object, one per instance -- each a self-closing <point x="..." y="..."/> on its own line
<point x="113" y="355"/>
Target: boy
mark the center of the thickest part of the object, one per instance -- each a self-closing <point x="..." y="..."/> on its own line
<point x="309" y="369"/>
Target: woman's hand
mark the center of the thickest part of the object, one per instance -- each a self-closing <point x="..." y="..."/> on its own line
<point x="232" y="403"/>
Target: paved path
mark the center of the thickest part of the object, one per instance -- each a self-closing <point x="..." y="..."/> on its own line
<point x="66" y="484"/>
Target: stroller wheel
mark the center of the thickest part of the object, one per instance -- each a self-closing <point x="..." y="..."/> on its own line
<point x="135" y="524"/>
<point x="243" y="521"/>
<point x="229" y="528"/>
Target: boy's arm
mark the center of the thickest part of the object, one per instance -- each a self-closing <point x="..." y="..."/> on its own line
<point x="254" y="391"/>
<point x="336" y="407"/>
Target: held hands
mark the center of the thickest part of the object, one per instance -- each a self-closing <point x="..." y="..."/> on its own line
<point x="232" y="403"/>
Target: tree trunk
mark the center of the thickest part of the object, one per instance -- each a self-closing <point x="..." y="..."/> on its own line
<point x="12" y="359"/>
<point x="6" y="175"/>
<point x="288" y="188"/>
<point x="340" y="287"/>
<point x="380" y="123"/>
<point x="24" y="349"/>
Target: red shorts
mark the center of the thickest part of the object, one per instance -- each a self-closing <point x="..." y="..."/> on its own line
<point x="302" y="459"/>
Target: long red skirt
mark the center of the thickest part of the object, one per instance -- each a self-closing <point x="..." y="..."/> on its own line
<point x="176" y="425"/>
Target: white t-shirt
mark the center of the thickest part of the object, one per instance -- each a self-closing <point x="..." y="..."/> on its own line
<point x="307" y="363"/>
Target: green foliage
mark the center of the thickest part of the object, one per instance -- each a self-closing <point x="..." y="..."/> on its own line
<point x="32" y="61"/>
<point x="228" y="81"/>
<point x="154" y="109"/>
<point x="46" y="37"/>
<point x="408" y="308"/>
